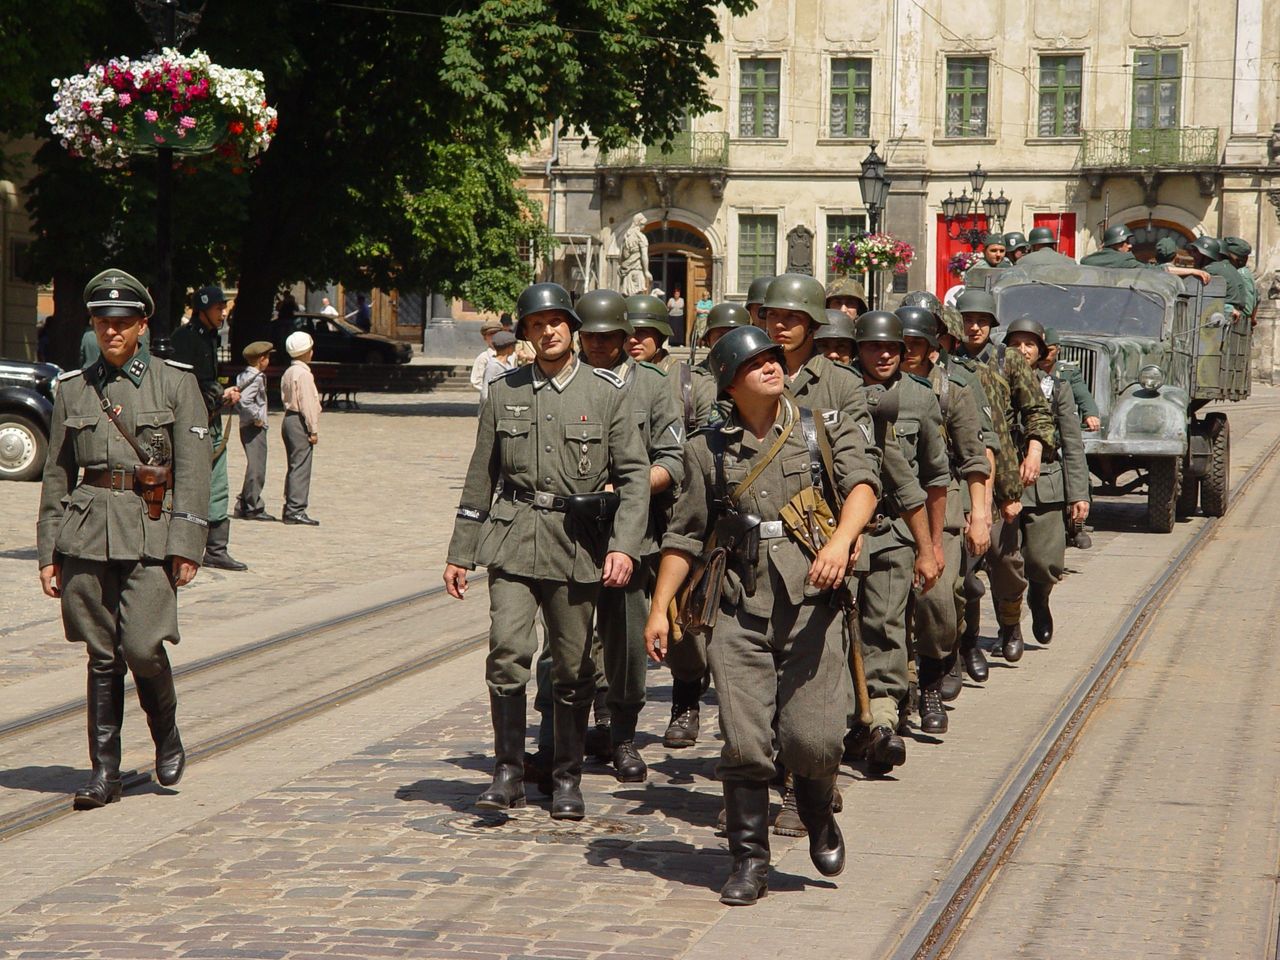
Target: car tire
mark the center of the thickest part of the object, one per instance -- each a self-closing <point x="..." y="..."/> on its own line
<point x="1164" y="483"/>
<point x="1215" y="489"/>
<point x="23" y="446"/>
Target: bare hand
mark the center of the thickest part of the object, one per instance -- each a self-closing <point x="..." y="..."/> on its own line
<point x="231" y="395"/>
<point x="829" y="566"/>
<point x="657" y="631"/>
<point x="1009" y="511"/>
<point x="926" y="570"/>
<point x="939" y="557"/>
<point x="1080" y="511"/>
<point x="51" y="580"/>
<point x="1030" y="471"/>
<point x="313" y="438"/>
<point x="977" y="536"/>
<point x="1092" y="423"/>
<point x="455" y="580"/>
<point x="617" y="569"/>
<point x="182" y="570"/>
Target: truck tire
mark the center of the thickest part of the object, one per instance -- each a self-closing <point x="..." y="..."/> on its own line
<point x="1215" y="489"/>
<point x="22" y="447"/>
<point x="1164" y="483"/>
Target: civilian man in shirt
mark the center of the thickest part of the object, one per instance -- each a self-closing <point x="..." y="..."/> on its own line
<point x="301" y="429"/>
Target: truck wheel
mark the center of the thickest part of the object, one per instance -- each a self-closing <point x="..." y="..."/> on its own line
<point x="22" y="448"/>
<point x="1189" y="495"/>
<point x="1215" y="489"/>
<point x="1164" y="483"/>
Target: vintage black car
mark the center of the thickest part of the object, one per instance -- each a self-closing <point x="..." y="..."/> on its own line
<point x="338" y="341"/>
<point x="26" y="408"/>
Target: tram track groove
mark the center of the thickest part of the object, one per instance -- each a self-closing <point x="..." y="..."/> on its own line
<point x="940" y="926"/>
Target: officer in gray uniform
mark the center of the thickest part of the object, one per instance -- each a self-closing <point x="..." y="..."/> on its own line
<point x="1029" y="554"/>
<point x="122" y="523"/>
<point x="553" y="434"/>
<point x="196" y="344"/>
<point x="778" y="642"/>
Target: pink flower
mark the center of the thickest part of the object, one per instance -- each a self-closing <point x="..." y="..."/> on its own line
<point x="187" y="122"/>
<point x="151" y="116"/>
<point x="125" y="99"/>
<point x="159" y="139"/>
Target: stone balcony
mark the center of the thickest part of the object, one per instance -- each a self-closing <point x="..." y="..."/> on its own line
<point x="701" y="154"/>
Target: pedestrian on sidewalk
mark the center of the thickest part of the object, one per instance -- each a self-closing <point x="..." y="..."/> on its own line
<point x="252" y="383"/>
<point x="488" y="330"/>
<point x="502" y="362"/>
<point x="129" y="434"/>
<point x="301" y="429"/>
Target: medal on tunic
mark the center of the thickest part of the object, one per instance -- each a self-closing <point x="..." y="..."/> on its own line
<point x="584" y="463"/>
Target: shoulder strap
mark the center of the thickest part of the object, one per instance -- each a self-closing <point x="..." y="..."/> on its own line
<point x="114" y="416"/>
<point x="826" y="459"/>
<point x="686" y="394"/>
<point x="740" y="490"/>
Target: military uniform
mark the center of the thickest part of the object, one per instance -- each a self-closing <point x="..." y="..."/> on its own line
<point x="117" y="593"/>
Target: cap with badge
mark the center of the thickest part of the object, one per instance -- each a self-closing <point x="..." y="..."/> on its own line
<point x="114" y="293"/>
<point x="257" y="349"/>
<point x="208" y="296"/>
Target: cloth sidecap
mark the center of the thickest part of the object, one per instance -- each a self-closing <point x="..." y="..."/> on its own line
<point x="298" y="343"/>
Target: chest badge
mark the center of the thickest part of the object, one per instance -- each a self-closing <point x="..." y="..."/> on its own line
<point x="516" y="408"/>
<point x="200" y="432"/>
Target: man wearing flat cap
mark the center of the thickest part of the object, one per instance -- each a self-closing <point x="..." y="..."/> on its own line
<point x="196" y="343"/>
<point x="122" y="523"/>
<point x="252" y="384"/>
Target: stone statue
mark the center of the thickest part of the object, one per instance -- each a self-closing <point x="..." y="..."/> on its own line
<point x="1273" y="292"/>
<point x="800" y="250"/>
<point x="634" y="264"/>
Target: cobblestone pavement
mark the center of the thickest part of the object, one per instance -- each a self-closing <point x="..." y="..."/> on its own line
<point x="352" y="834"/>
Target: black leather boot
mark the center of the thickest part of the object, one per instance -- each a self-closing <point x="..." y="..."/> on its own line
<point x="933" y="715"/>
<point x="971" y="655"/>
<point x="159" y="701"/>
<point x="215" y="549"/>
<point x="1041" y="615"/>
<point x="814" y="800"/>
<point x="599" y="742"/>
<point x="746" y="804"/>
<point x="507" y="790"/>
<point x="628" y="765"/>
<point x="952" y="683"/>
<point x="682" y="731"/>
<point x="1011" y="642"/>
<point x="566" y="775"/>
<point x="106" y="716"/>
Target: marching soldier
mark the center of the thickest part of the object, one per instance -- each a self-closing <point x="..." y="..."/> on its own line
<point x="1091" y="419"/>
<point x="933" y="616"/>
<point x="835" y="337"/>
<point x="196" y="344"/>
<point x="1029" y="554"/>
<point x="755" y="299"/>
<point x="122" y="523"/>
<point x="778" y="643"/>
<point x="1016" y="398"/>
<point x="553" y="434"/>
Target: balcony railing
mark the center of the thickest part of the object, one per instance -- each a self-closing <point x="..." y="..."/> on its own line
<point x="699" y="150"/>
<point x="1130" y="149"/>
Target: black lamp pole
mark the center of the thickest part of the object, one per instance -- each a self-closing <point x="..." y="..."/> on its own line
<point x="875" y="194"/>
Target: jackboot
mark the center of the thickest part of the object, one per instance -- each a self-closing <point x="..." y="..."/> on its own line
<point x="1011" y="642"/>
<point x="682" y="731"/>
<point x="507" y="790"/>
<point x="814" y="800"/>
<point x="106" y="717"/>
<point x="599" y="743"/>
<point x="788" y="823"/>
<point x="952" y="683"/>
<point x="566" y="775"/>
<point x="215" y="549"/>
<point x="1041" y="615"/>
<point x="159" y="701"/>
<point x="746" y="804"/>
<point x="975" y="661"/>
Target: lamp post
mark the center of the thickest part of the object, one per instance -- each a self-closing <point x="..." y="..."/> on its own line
<point x="960" y="212"/>
<point x="875" y="194"/>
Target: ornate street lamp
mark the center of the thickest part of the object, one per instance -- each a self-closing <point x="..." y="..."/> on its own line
<point x="874" y="187"/>
<point x="961" y="216"/>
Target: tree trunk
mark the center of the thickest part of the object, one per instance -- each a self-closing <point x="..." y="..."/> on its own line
<point x="70" y="319"/>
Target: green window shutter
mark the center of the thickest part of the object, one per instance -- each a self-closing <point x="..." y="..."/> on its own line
<point x="967" y="87"/>
<point x="757" y="247"/>
<point x="1059" y="103"/>
<point x="759" y="101"/>
<point x="851" y="97"/>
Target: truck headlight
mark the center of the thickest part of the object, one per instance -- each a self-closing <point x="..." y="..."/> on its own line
<point x="1151" y="378"/>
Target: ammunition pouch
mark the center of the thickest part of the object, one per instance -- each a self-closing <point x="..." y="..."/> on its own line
<point x="739" y="534"/>
<point x="807" y="517"/>
<point x="698" y="604"/>
<point x="598" y="508"/>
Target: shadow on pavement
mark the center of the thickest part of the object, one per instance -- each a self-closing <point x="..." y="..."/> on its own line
<point x="683" y="863"/>
<point x="55" y="779"/>
<point x="457" y="795"/>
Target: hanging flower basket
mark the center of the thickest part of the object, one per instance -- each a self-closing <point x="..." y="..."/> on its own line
<point x="960" y="263"/>
<point x="183" y="102"/>
<point x="865" y="252"/>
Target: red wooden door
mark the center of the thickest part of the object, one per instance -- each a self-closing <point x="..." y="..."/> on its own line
<point x="947" y="248"/>
<point x="1063" y="226"/>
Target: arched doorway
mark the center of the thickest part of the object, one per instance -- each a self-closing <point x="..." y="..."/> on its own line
<point x="1147" y="232"/>
<point x="680" y="259"/>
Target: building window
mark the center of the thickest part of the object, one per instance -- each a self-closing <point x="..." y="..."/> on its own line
<point x="1157" y="84"/>
<point x="757" y="247"/>
<point x="851" y="97"/>
<point x="759" y="104"/>
<point x="1060" y="96"/>
<point x="967" y="96"/>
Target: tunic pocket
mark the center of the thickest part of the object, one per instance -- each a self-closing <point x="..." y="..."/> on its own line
<point x="513" y="438"/>
<point x="83" y="436"/>
<point x="153" y="429"/>
<point x="584" y="449"/>
<point x="496" y="528"/>
<point x="908" y="439"/>
<point x="73" y="532"/>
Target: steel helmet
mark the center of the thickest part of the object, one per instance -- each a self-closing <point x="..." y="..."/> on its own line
<point x="734" y="349"/>
<point x="545" y="296"/>
<point x="1032" y="327"/>
<point x="603" y="311"/>
<point x="1208" y="246"/>
<point x="839" y="326"/>
<point x="923" y="298"/>
<point x="848" y="287"/>
<point x="878" y="326"/>
<point x="1014" y="240"/>
<point x="759" y="287"/>
<point x="795" y="291"/>
<point x="1042" y="235"/>
<point x="726" y="316"/>
<point x="646" y="310"/>
<point x="952" y="322"/>
<point x="919" y="322"/>
<point x="1117" y="235"/>
<point x="973" y="300"/>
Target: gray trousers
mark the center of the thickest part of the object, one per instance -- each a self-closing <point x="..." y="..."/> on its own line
<point x="885" y="591"/>
<point x="297" y="482"/>
<point x="254" y="440"/>
<point x="1032" y="548"/>
<point x="122" y="610"/>
<point x="792" y="666"/>
<point x="935" y="620"/>
<point x="566" y="608"/>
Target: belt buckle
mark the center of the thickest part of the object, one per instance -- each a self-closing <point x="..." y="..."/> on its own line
<point x="122" y="472"/>
<point x="543" y="500"/>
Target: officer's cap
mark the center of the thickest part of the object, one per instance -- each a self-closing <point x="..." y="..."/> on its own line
<point x="256" y="349"/>
<point x="114" y="293"/>
<point x="207" y="296"/>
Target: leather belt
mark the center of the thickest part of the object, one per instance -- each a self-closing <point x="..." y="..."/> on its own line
<point x="109" y="478"/>
<point x="536" y="498"/>
<point x="772" y="530"/>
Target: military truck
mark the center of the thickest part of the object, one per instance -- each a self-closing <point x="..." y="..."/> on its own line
<point x="1155" y="350"/>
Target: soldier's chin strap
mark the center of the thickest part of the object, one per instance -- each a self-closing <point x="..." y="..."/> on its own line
<point x="114" y="417"/>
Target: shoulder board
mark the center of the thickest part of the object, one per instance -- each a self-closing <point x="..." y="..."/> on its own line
<point x="608" y="376"/>
<point x="847" y="368"/>
<point x="651" y="366"/>
<point x="505" y="374"/>
<point x="179" y="364"/>
<point x="923" y="381"/>
<point x="69" y="374"/>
